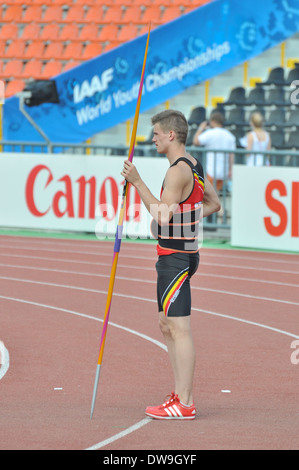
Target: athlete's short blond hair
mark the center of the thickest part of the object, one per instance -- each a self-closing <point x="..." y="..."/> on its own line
<point x="171" y="120"/>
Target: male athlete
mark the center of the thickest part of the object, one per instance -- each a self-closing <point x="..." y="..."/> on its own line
<point x="176" y="216"/>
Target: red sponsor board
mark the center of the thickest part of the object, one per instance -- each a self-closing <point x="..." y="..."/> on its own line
<point x="74" y="193"/>
<point x="276" y="205"/>
<point x="265" y="208"/>
<point x="86" y="192"/>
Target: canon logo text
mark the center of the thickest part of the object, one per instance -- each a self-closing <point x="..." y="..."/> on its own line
<point x="78" y="198"/>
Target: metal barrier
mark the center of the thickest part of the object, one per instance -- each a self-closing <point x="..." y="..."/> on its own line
<point x="43" y="147"/>
<point x="221" y="220"/>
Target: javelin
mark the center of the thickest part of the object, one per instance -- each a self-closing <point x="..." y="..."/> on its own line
<point x="118" y="235"/>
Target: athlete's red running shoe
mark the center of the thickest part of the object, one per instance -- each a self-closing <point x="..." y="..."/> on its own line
<point x="171" y="409"/>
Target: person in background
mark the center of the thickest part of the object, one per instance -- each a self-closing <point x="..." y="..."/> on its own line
<point x="258" y="140"/>
<point x="213" y="136"/>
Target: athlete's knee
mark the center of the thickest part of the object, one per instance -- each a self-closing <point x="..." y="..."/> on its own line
<point x="167" y="326"/>
<point x="164" y="325"/>
<point x="174" y="327"/>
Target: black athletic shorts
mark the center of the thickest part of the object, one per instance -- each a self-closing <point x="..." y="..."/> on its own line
<point x="173" y="283"/>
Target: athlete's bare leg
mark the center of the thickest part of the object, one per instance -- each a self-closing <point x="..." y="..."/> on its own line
<point x="178" y="337"/>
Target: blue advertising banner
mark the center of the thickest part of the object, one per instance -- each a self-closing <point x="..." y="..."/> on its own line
<point x="102" y="92"/>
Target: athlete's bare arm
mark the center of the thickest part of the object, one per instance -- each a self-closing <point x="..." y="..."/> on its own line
<point x="211" y="202"/>
<point x="174" y="184"/>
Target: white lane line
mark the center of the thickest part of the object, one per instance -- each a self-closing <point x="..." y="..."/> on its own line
<point x="247" y="268"/>
<point x="242" y="320"/>
<point x="247" y="279"/>
<point x="231" y="255"/>
<point x="199" y="274"/>
<point x="145" y="421"/>
<point x="152" y="258"/>
<point x="74" y="261"/>
<point x="97" y="291"/>
<point x="90" y="317"/>
<point x="121" y="434"/>
<point x="143" y="299"/>
<point x="129" y="330"/>
<point x="247" y="296"/>
<point x="96" y="263"/>
<point x="223" y="253"/>
<point x="71" y="252"/>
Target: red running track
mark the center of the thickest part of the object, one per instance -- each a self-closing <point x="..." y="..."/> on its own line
<point x="244" y="320"/>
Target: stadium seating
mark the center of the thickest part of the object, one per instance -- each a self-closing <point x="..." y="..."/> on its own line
<point x="36" y="34"/>
<point x="256" y="97"/>
<point x="276" y="77"/>
<point x="278" y="138"/>
<point x="271" y="98"/>
<point x="236" y="117"/>
<point x="42" y="38"/>
<point x="197" y="116"/>
<point x="237" y="97"/>
<point x="277" y="117"/>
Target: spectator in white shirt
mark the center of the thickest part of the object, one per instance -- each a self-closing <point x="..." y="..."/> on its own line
<point x="213" y="136"/>
<point x="258" y="140"/>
